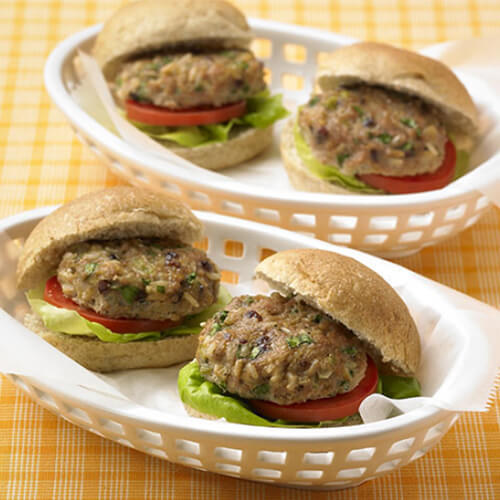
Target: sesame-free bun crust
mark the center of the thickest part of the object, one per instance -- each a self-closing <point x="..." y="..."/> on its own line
<point x="152" y="25"/>
<point x="113" y="213"/>
<point x="299" y="175"/>
<point x="406" y="72"/>
<point x="100" y="356"/>
<point x="239" y="148"/>
<point x="353" y="294"/>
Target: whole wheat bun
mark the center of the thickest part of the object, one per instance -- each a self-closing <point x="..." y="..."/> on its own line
<point x="354" y="295"/>
<point x="299" y="175"/>
<point x="117" y="212"/>
<point x="104" y="357"/>
<point x="240" y="147"/>
<point x="150" y="25"/>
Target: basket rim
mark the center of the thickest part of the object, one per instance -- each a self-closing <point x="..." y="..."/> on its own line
<point x="220" y="184"/>
<point x="133" y="412"/>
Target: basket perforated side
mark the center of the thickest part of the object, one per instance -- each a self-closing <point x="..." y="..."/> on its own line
<point x="329" y="465"/>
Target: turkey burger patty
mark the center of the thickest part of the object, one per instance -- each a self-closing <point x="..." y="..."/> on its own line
<point x="139" y="278"/>
<point x="191" y="80"/>
<point x="279" y="349"/>
<point x="367" y="129"/>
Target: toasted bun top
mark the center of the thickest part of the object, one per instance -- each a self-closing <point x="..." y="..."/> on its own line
<point x="403" y="71"/>
<point x="151" y="25"/>
<point x="353" y="294"/>
<point x="118" y="212"/>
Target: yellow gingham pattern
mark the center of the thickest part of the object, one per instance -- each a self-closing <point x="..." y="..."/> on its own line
<point x="41" y="162"/>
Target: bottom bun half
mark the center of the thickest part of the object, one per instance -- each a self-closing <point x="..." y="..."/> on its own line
<point x="299" y="175"/>
<point x="198" y="414"/>
<point x="239" y="148"/>
<point x="104" y="357"/>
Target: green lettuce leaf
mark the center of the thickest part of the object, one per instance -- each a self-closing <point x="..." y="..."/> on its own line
<point x="262" y="111"/>
<point x="462" y="161"/>
<point x="207" y="397"/>
<point x="462" y="164"/>
<point x="328" y="172"/>
<point x="400" y="387"/>
<point x="188" y="137"/>
<point x="70" y="322"/>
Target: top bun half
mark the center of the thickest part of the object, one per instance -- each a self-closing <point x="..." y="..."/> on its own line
<point x="354" y="295"/>
<point x="152" y="25"/>
<point x="406" y="72"/>
<point x="113" y="213"/>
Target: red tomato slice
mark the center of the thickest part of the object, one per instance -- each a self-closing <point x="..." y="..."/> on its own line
<point x="417" y="183"/>
<point x="319" y="410"/>
<point x="155" y="115"/>
<point x="53" y="294"/>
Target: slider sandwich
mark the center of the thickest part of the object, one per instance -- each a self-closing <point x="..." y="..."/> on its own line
<point x="383" y="121"/>
<point x="114" y="283"/>
<point x="182" y="72"/>
<point x="308" y="354"/>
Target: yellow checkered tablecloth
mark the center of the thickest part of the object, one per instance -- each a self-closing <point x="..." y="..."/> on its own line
<point x="41" y="163"/>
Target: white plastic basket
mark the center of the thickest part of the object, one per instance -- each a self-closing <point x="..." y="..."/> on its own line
<point x="389" y="226"/>
<point x="325" y="458"/>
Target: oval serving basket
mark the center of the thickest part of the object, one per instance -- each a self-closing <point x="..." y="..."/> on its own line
<point x="324" y="458"/>
<point x="388" y="226"/>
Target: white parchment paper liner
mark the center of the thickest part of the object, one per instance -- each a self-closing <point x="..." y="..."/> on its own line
<point x="474" y="60"/>
<point x="460" y="347"/>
